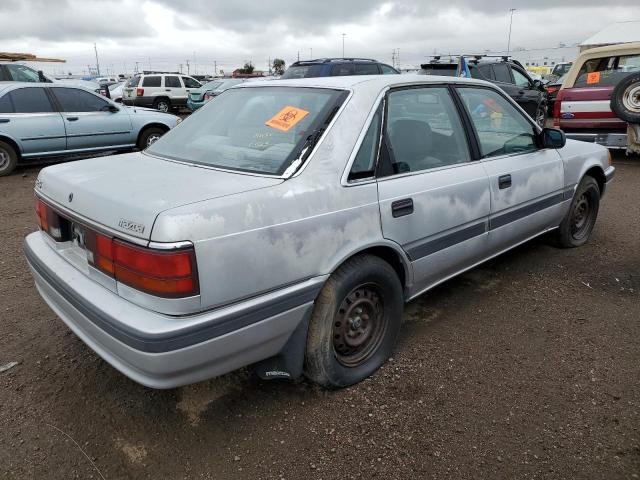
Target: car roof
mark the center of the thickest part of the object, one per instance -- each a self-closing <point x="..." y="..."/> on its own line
<point x="5" y="85"/>
<point x="334" y="60"/>
<point x="350" y="82"/>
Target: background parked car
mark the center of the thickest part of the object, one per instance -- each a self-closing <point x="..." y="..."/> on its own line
<point x="50" y="120"/>
<point x="583" y="104"/>
<point x="17" y="72"/>
<point x="199" y="96"/>
<point x="162" y="91"/>
<point x="337" y="67"/>
<point x="503" y="71"/>
<point x="115" y="91"/>
<point x="552" y="88"/>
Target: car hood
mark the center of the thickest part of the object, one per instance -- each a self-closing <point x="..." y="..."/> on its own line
<point x="126" y="192"/>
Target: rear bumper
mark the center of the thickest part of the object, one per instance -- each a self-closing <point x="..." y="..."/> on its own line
<point x="609" y="140"/>
<point x="194" y="105"/>
<point x="162" y="351"/>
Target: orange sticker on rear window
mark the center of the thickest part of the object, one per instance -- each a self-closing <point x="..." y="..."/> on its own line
<point x="286" y="118"/>
<point x="593" y="77"/>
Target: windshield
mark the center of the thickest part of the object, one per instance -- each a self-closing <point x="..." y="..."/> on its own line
<point x="302" y="71"/>
<point x="212" y="85"/>
<point x="260" y="129"/>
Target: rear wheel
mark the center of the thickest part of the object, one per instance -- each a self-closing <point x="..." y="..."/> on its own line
<point x="149" y="136"/>
<point x="355" y="322"/>
<point x="162" y="105"/>
<point x="541" y="115"/>
<point x="8" y="159"/>
<point x="578" y="224"/>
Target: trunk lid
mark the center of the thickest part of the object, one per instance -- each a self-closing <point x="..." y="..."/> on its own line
<point x="126" y="192"/>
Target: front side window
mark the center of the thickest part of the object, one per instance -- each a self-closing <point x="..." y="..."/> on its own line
<point x="30" y="100"/>
<point x="486" y="72"/>
<point x="20" y="73"/>
<point x="152" y="81"/>
<point x="259" y="129"/>
<point x="190" y="82"/>
<point x="520" y="79"/>
<point x="387" y="70"/>
<point x="606" y="71"/>
<point x="171" y="81"/>
<point x="76" y="100"/>
<point x="423" y="130"/>
<point x="342" y="70"/>
<point x="501" y="128"/>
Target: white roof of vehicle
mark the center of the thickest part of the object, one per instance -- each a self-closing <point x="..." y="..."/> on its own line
<point x="620" y="32"/>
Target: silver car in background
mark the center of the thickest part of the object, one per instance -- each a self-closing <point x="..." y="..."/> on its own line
<point x="48" y="120"/>
<point x="285" y="224"/>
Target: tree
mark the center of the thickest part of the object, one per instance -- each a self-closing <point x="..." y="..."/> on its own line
<point x="278" y="66"/>
<point x="248" y="68"/>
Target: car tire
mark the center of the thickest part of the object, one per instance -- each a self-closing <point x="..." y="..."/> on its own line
<point x="162" y="104"/>
<point x="355" y="322"/>
<point x="541" y="115"/>
<point x="148" y="136"/>
<point x="625" y="99"/>
<point x="577" y="225"/>
<point x="8" y="159"/>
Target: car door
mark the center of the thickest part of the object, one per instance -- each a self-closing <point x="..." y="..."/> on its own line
<point x="526" y="182"/>
<point x="27" y="115"/>
<point x="92" y="122"/>
<point x="174" y="89"/>
<point x="433" y="197"/>
<point x="529" y="94"/>
<point x="189" y="84"/>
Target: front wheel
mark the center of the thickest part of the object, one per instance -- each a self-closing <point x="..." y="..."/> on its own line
<point x="355" y="322"/>
<point x="541" y="115"/>
<point x="149" y="136"/>
<point x="8" y="159"/>
<point x="578" y="224"/>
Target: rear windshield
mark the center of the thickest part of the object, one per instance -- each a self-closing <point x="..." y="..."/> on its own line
<point x="260" y="129"/>
<point x="302" y="71"/>
<point x="133" y="82"/>
<point x="607" y="71"/>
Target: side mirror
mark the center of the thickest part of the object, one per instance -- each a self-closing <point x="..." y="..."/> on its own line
<point x="537" y="84"/>
<point x="552" y="138"/>
<point x="42" y="78"/>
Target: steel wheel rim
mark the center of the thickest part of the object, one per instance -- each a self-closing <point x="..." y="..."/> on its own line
<point x="581" y="218"/>
<point x="631" y="98"/>
<point x="152" y="139"/>
<point x="163" y="107"/>
<point x="540" y="117"/>
<point x="4" y="159"/>
<point x="359" y="325"/>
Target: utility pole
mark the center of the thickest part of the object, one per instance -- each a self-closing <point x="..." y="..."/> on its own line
<point x="97" y="61"/>
<point x="393" y="58"/>
<point x="149" y="63"/>
<point x="511" y="10"/>
<point x="187" y="61"/>
<point x="180" y="65"/>
<point x="137" y="68"/>
<point x="311" y="54"/>
<point x="269" y="65"/>
<point x="215" y="68"/>
<point x="298" y="55"/>
<point x="343" y="35"/>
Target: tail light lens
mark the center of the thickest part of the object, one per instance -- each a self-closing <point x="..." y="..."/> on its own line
<point x="164" y="273"/>
<point x="557" y="108"/>
<point x="139" y="92"/>
<point x="48" y="220"/>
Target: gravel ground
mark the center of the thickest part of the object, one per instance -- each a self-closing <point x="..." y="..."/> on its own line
<point x="527" y="367"/>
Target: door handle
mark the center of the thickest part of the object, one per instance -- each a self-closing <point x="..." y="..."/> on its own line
<point x="72" y="119"/>
<point x="504" y="181"/>
<point x="4" y="120"/>
<point x="167" y="89"/>
<point x="403" y="207"/>
<point x="521" y="92"/>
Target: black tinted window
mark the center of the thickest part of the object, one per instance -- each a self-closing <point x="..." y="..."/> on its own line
<point x="501" y="73"/>
<point x="342" y="70"/>
<point x="303" y="71"/>
<point x="387" y="70"/>
<point x="134" y="82"/>
<point x="30" y="100"/>
<point x="151" y="81"/>
<point x="6" y="106"/>
<point x="76" y="100"/>
<point x="172" y="82"/>
<point x="486" y="72"/>
<point x="190" y="82"/>
<point x="366" y="69"/>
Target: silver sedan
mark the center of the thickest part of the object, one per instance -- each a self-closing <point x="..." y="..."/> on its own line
<point x="285" y="224"/>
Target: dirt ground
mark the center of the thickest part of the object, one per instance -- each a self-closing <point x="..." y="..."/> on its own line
<point x="527" y="367"/>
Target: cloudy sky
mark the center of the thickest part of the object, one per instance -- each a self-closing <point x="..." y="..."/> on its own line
<point x="164" y="33"/>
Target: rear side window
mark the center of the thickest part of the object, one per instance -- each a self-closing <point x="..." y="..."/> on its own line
<point x="30" y="100"/>
<point x="501" y="73"/>
<point x="424" y="131"/>
<point x="153" y="81"/>
<point x="520" y="79"/>
<point x="366" y="69"/>
<point x="342" y="70"/>
<point x="486" y="72"/>
<point x="76" y="100"/>
<point x="6" y="105"/>
<point x="171" y="81"/>
<point x="607" y="71"/>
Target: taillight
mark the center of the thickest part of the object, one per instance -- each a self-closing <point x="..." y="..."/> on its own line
<point x="48" y="220"/>
<point x="557" y="108"/>
<point x="552" y="89"/>
<point x="140" y="92"/>
<point x="164" y="273"/>
<point x="207" y="97"/>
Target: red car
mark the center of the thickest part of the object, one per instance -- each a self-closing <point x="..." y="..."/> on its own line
<point x="599" y="97"/>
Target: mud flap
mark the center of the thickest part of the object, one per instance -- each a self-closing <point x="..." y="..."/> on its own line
<point x="633" y="138"/>
<point x="287" y="364"/>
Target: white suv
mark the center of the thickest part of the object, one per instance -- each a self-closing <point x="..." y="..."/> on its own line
<point x="162" y="91"/>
